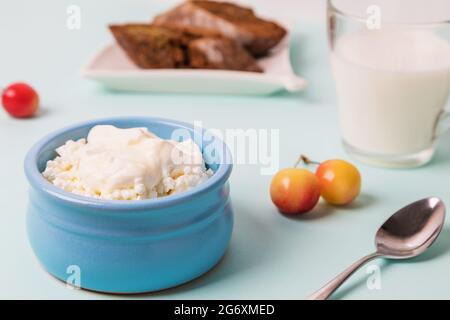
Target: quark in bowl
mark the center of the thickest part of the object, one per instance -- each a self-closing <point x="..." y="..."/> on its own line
<point x="126" y="164"/>
<point x="130" y="246"/>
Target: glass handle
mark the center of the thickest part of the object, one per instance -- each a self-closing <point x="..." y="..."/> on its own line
<point x="443" y="123"/>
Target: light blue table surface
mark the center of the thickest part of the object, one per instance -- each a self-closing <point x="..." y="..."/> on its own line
<point x="270" y="256"/>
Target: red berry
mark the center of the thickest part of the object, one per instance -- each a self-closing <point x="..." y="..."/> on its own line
<point x="20" y="100"/>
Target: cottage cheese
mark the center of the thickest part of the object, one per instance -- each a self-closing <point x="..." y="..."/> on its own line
<point x="126" y="164"/>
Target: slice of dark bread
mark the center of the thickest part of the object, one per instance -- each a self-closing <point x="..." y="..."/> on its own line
<point x="150" y="46"/>
<point x="225" y="19"/>
<point x="220" y="53"/>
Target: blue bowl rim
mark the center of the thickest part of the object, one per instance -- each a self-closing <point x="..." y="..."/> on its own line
<point x="37" y="180"/>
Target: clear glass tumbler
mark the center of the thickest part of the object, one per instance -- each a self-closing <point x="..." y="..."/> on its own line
<point x="391" y="64"/>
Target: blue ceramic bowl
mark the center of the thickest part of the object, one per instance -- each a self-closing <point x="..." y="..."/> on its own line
<point x="129" y="246"/>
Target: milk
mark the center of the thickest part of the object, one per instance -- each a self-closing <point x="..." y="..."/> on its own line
<point x="392" y="84"/>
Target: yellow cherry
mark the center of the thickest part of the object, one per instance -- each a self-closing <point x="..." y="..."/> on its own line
<point x="340" y="181"/>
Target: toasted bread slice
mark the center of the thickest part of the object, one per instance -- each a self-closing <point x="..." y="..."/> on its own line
<point x="210" y="18"/>
<point x="150" y="46"/>
<point x="220" y="53"/>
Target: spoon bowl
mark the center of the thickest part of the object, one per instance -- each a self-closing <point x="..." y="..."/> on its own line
<point x="411" y="230"/>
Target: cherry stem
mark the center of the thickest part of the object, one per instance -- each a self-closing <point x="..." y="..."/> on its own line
<point x="306" y="161"/>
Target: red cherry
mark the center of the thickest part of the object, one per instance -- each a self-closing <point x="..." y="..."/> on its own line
<point x="20" y="100"/>
<point x="295" y="191"/>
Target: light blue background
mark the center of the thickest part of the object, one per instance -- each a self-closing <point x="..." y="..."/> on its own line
<point x="270" y="256"/>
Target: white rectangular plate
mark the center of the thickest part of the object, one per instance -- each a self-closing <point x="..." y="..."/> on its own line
<point x="111" y="67"/>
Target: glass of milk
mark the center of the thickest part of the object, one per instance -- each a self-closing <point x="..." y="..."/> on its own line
<point x="391" y="64"/>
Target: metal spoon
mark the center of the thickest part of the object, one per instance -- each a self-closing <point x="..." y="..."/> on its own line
<point x="406" y="234"/>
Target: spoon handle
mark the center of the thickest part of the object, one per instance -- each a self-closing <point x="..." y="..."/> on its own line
<point x="330" y="287"/>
